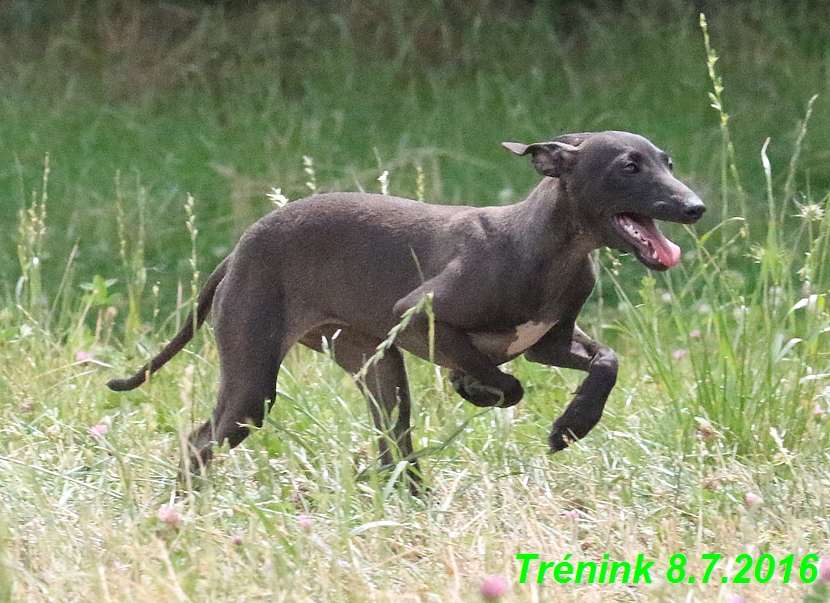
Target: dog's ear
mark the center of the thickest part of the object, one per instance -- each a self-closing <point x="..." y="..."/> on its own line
<point x="575" y="139"/>
<point x="551" y="159"/>
<point x="515" y="147"/>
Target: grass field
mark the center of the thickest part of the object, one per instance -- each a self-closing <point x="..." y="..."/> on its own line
<point x="714" y="441"/>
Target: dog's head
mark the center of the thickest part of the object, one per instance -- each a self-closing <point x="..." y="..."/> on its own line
<point x="618" y="183"/>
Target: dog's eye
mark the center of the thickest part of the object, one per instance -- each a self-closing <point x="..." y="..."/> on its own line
<point x="631" y="168"/>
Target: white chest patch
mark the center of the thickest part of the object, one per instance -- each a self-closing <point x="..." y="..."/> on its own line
<point x="513" y="341"/>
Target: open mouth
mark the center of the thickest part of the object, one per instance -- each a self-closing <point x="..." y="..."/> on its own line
<point x="651" y="246"/>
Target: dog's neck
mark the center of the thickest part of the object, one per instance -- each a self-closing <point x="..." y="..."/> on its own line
<point x="549" y="222"/>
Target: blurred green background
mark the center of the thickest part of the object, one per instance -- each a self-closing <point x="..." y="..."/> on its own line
<point x="144" y="102"/>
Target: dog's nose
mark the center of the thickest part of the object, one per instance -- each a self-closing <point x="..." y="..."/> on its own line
<point x="693" y="208"/>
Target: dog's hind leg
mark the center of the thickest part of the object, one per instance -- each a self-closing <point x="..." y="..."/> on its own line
<point x="385" y="387"/>
<point x="251" y="344"/>
<point x="246" y="393"/>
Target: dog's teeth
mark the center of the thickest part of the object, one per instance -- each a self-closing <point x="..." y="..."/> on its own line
<point x="654" y="255"/>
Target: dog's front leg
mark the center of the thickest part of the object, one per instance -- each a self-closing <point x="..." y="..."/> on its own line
<point x="568" y="347"/>
<point x="474" y="375"/>
<point x="481" y="381"/>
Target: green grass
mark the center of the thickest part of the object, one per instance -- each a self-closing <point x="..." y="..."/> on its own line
<point x="724" y="358"/>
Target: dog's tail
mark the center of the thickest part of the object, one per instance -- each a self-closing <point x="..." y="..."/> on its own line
<point x="182" y="337"/>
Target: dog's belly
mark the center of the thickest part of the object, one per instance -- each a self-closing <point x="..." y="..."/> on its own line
<point x="512" y="342"/>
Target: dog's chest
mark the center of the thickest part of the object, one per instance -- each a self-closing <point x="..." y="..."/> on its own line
<point x="512" y="341"/>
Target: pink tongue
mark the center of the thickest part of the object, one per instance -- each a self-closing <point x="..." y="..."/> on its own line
<point x="667" y="252"/>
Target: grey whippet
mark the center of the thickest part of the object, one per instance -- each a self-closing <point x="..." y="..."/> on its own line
<point x="506" y="281"/>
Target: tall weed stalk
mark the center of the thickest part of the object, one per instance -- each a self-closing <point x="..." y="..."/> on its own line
<point x="132" y="260"/>
<point x="32" y="232"/>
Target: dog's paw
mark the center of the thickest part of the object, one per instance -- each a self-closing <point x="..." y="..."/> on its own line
<point x="513" y="394"/>
<point x="474" y="391"/>
<point x="560" y="438"/>
<point x="485" y="396"/>
<point x="193" y="470"/>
